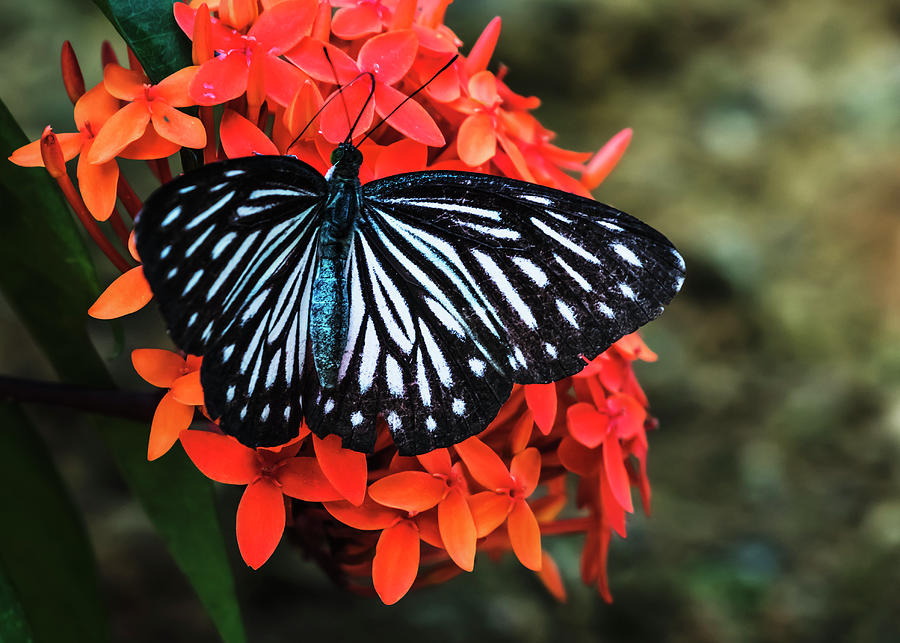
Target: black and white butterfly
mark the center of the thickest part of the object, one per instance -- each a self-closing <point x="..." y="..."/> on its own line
<point x="421" y="297"/>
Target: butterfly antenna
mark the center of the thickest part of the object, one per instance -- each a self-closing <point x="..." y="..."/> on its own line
<point x="403" y="102"/>
<point x="331" y="98"/>
<point x="337" y="81"/>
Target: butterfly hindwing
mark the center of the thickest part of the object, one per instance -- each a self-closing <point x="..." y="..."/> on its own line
<point x="466" y="283"/>
<point x="229" y="252"/>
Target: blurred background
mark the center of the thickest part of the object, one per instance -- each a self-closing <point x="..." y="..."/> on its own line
<point x="766" y="147"/>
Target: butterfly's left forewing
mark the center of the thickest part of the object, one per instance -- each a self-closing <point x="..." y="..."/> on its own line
<point x="229" y="252"/>
<point x="462" y="284"/>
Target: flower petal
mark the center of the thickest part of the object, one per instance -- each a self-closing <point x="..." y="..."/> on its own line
<point x="526" y="469"/>
<point x="149" y="146"/>
<point x="282" y="80"/>
<point x="476" y="141"/>
<point x="94" y="108"/>
<point x="221" y="79"/>
<point x="350" y="23"/>
<point x="587" y="425"/>
<point x="577" y="458"/>
<point x="123" y="127"/>
<point x="401" y="157"/>
<point x="551" y="578"/>
<point x="481" y="52"/>
<point x="309" y="56"/>
<point x="367" y="516"/>
<point x="389" y="56"/>
<point x="345" y="469"/>
<point x="169" y="420"/>
<point x="122" y="83"/>
<point x="457" y="529"/>
<point x="280" y="27"/>
<point x="436" y="461"/>
<point x="599" y="167"/>
<point x="221" y="457"/>
<point x="302" y="478"/>
<point x="616" y="473"/>
<point x="525" y="535"/>
<point x="483" y="88"/>
<point x="125" y="295"/>
<point x="631" y="346"/>
<point x="396" y="561"/>
<point x="411" y="120"/>
<point x="484" y="464"/>
<point x="177" y="126"/>
<point x="613" y="512"/>
<point x="240" y="137"/>
<point x="489" y="510"/>
<point x="446" y="86"/>
<point x="187" y="389"/>
<point x="97" y="184"/>
<point x="260" y="521"/>
<point x="411" y="491"/>
<point x="541" y="399"/>
<point x="157" y="366"/>
<point x="173" y="89"/>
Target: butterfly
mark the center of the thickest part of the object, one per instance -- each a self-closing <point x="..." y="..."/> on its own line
<point x="419" y="297"/>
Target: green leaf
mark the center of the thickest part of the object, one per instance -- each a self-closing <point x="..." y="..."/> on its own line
<point x="180" y="503"/>
<point x="43" y="545"/>
<point x="13" y="626"/>
<point x="47" y="277"/>
<point x="149" y="28"/>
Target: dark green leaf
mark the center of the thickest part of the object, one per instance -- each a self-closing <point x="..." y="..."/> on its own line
<point x="149" y="28"/>
<point x="180" y="503"/>
<point x="43" y="545"/>
<point x="46" y="275"/>
<point x="13" y="626"/>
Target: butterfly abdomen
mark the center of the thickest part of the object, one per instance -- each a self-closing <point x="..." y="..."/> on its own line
<point x="329" y="305"/>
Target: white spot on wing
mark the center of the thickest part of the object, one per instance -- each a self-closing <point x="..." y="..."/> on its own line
<point x="566" y="312"/>
<point x="574" y="274"/>
<point x="173" y="214"/>
<point x="535" y="198"/>
<point x="627" y="291"/>
<point x="192" y="282"/>
<point x="532" y="270"/>
<point x="430" y="424"/>
<point x="369" y="358"/>
<point x="394" y="376"/>
<point x="356" y="419"/>
<point x="626" y="254"/>
<point x="477" y="366"/>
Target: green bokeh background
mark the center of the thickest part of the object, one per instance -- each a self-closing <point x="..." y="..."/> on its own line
<point x="766" y="147"/>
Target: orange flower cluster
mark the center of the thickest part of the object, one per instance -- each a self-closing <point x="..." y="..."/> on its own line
<point x="378" y="521"/>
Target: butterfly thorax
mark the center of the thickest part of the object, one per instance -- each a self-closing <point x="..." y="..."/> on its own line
<point x="329" y="305"/>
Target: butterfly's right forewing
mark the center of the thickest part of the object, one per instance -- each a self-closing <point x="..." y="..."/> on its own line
<point x="229" y="252"/>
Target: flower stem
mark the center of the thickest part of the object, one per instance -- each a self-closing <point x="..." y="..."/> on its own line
<point x="125" y="404"/>
<point x="118" y="225"/>
<point x="128" y="197"/>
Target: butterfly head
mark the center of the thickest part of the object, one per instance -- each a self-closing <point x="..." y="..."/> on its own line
<point x="346" y="159"/>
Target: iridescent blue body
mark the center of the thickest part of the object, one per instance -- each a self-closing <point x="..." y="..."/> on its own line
<point x="329" y="304"/>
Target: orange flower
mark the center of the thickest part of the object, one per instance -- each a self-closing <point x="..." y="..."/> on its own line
<point x="175" y="411"/>
<point x="147" y="105"/>
<point x="270" y="474"/>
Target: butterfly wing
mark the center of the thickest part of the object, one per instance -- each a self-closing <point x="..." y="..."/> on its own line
<point x="462" y="284"/>
<point x="229" y="252"/>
